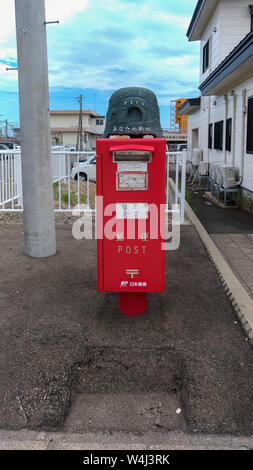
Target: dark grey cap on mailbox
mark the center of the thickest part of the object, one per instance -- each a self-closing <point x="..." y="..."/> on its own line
<point x="133" y="111"/>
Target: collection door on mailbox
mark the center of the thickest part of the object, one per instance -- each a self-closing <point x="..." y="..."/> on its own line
<point x="131" y="179"/>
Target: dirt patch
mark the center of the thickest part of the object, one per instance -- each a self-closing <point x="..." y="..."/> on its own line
<point x="60" y="337"/>
<point x="67" y="195"/>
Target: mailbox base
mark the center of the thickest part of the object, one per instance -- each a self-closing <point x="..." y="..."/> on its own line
<point x="132" y="304"/>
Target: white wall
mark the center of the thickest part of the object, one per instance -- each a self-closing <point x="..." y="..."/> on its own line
<point x="215" y="113"/>
<point x="98" y="129"/>
<point x="68" y="120"/>
<point x="214" y="43"/>
<point x="235" y="24"/>
<point x="228" y="25"/>
<point x="198" y="120"/>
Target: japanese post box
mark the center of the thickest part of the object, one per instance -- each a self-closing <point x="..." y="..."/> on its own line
<point x="131" y="218"/>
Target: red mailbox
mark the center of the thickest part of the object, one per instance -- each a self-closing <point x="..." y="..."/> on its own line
<point x="131" y="215"/>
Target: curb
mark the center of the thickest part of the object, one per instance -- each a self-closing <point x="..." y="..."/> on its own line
<point x="215" y="201"/>
<point x="240" y="299"/>
<point x="97" y="441"/>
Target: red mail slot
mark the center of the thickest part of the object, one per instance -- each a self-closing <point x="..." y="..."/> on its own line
<point x="131" y="179"/>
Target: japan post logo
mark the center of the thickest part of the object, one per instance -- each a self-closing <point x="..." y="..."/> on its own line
<point x="124" y="284"/>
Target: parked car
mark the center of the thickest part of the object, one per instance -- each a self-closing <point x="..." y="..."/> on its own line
<point x="181" y="147"/>
<point x="9" y="145"/>
<point x="3" y="147"/>
<point x="81" y="160"/>
<point x="172" y="147"/>
<point x="83" y="170"/>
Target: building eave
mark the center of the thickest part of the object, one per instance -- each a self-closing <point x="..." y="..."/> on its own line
<point x="237" y="66"/>
<point x="200" y="18"/>
<point x="190" y="106"/>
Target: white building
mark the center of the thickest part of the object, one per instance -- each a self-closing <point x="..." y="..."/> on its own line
<point x="64" y="127"/>
<point x="221" y="120"/>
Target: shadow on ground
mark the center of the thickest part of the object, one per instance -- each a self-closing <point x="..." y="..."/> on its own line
<point x="218" y="220"/>
<point x="61" y="339"/>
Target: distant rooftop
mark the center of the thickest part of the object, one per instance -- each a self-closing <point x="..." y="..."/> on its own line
<point x="74" y="112"/>
<point x="55" y="130"/>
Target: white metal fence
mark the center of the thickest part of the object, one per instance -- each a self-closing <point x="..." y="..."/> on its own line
<point x="176" y="167"/>
<point x="74" y="181"/>
<point x="10" y="180"/>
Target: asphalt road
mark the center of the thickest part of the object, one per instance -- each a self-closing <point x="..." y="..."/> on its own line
<point x="60" y="340"/>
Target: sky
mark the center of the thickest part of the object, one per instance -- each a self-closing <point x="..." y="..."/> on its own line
<point x="103" y="45"/>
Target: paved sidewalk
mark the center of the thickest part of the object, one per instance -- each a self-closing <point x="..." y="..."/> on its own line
<point x="238" y="250"/>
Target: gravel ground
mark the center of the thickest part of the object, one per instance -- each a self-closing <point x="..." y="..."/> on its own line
<point x="60" y="338"/>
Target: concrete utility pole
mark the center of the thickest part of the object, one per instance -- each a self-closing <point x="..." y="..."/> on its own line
<point x="81" y="123"/>
<point x="39" y="222"/>
<point x="79" y="144"/>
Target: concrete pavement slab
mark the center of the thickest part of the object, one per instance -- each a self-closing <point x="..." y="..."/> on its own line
<point x="129" y="412"/>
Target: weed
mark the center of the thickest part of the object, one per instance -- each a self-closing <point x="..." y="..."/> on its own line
<point x="73" y="198"/>
<point x="178" y="386"/>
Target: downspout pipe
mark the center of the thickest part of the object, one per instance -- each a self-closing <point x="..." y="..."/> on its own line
<point x="244" y="113"/>
<point x="234" y="126"/>
<point x="209" y="119"/>
<point x="225" y="128"/>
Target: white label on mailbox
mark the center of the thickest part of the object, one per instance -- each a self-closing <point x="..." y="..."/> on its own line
<point x="133" y="210"/>
<point x="132" y="181"/>
<point x="132" y="166"/>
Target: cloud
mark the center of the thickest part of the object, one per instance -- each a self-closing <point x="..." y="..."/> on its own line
<point x="7" y="20"/>
<point x="64" y="10"/>
<point x="101" y="45"/>
<point x="181" y="60"/>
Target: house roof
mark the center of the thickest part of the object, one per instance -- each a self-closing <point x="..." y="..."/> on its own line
<point x="189" y="106"/>
<point x="201" y="16"/>
<point x="72" y="112"/>
<point x="55" y="130"/>
<point x="229" y="73"/>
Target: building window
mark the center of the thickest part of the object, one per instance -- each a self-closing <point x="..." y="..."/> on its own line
<point x="218" y="135"/>
<point x="228" y="134"/>
<point x="251" y="14"/>
<point x="206" y="57"/>
<point x="210" y="136"/>
<point x="99" y="122"/>
<point x="250" y="126"/>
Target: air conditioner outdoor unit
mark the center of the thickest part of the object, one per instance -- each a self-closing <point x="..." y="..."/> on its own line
<point x="204" y="169"/>
<point x="219" y="176"/>
<point x="214" y="171"/>
<point x="226" y="176"/>
<point x="211" y="170"/>
<point x="197" y="155"/>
